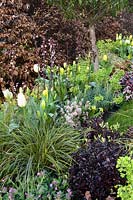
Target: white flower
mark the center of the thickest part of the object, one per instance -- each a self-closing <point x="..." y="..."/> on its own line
<point x="127" y="41"/>
<point x="79" y="111"/>
<point x="21" y="100"/>
<point x="65" y="65"/>
<point x="68" y="109"/>
<point x="74" y="114"/>
<point x="7" y="94"/>
<point x="68" y="118"/>
<point x="36" y="68"/>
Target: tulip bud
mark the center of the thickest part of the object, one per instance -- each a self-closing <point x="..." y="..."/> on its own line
<point x="38" y="113"/>
<point x="101" y="110"/>
<point x="45" y="116"/>
<point x="130" y="37"/>
<point x="120" y="42"/>
<point x="93" y="107"/>
<point x="88" y="68"/>
<point x="117" y="36"/>
<point x="65" y="65"/>
<point x="74" y="63"/>
<point x="120" y="37"/>
<point x="45" y="93"/>
<point x="78" y="68"/>
<point x="129" y="56"/>
<point x="105" y="58"/>
<point x="43" y="105"/>
<point x="68" y="69"/>
<point x="61" y="71"/>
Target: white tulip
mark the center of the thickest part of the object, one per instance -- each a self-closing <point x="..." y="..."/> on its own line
<point x="21" y="100"/>
<point x="7" y="94"/>
<point x="127" y="41"/>
<point x="36" y="68"/>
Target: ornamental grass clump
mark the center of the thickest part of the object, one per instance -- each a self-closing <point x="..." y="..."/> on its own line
<point x="30" y="148"/>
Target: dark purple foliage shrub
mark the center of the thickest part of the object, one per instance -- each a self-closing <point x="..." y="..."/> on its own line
<point x="93" y="168"/>
<point x="127" y="83"/>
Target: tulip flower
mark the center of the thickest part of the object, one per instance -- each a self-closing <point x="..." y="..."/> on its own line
<point x="45" y="93"/>
<point x="127" y="41"/>
<point x="36" y="68"/>
<point x="120" y="37"/>
<point x="21" y="100"/>
<point x="65" y="65"/>
<point x="7" y="94"/>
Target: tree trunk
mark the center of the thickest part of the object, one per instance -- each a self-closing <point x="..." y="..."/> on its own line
<point x="94" y="47"/>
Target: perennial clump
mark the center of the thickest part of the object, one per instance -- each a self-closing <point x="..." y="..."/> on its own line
<point x="127" y="84"/>
<point x="94" y="165"/>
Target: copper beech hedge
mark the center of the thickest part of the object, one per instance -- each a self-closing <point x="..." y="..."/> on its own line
<point x="29" y="29"/>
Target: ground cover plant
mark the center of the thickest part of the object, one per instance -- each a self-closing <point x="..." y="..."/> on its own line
<point x="44" y="185"/>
